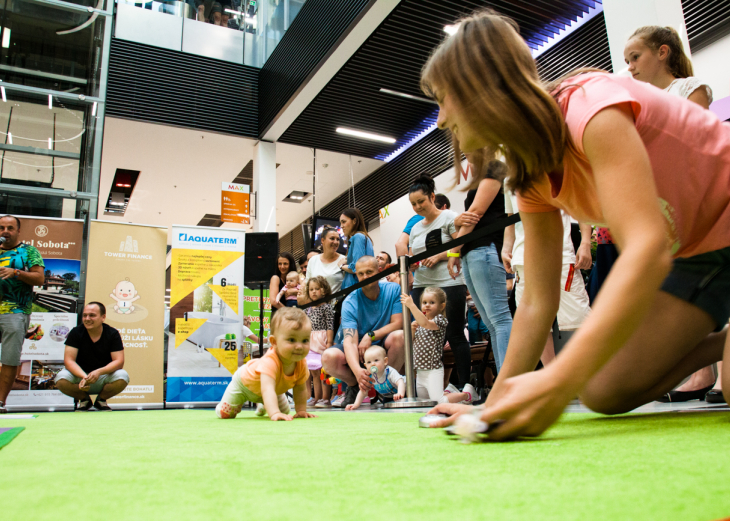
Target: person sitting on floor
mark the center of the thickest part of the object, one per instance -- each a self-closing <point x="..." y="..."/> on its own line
<point x="370" y="315"/>
<point x="389" y="383"/>
<point x="93" y="361"/>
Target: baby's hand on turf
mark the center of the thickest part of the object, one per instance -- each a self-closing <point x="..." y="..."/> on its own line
<point x="304" y="414"/>
<point x="279" y="416"/>
<point x="350" y="407"/>
<point x="397" y="397"/>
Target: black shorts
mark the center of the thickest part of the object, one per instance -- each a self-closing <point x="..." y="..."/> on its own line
<point x="703" y="280"/>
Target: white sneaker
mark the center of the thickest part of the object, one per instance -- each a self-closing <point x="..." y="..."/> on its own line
<point x="451" y="388"/>
<point x="323" y="404"/>
<point x="472" y="392"/>
<point x="338" y="400"/>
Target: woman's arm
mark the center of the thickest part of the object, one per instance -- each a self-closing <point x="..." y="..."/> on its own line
<point x="629" y="203"/>
<point x="274" y="292"/>
<point x="358" y="245"/>
<point x="700" y="97"/>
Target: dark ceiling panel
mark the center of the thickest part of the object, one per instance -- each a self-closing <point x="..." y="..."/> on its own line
<point x="313" y="34"/>
<point x="586" y="47"/>
<point x="707" y="21"/>
<point x="392" y="58"/>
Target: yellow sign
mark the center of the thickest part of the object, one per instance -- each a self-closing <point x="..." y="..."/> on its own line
<point x="131" y="283"/>
<point x="235" y="203"/>
<point x="191" y="268"/>
<point x="227" y="355"/>
<point x="185" y="328"/>
<point x="229" y="294"/>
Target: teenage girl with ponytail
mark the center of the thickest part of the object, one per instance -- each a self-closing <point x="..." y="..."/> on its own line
<point x="612" y="151"/>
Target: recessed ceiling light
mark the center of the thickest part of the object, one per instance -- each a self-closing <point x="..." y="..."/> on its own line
<point x="365" y="135"/>
<point x="408" y="96"/>
<point x="451" y="29"/>
<point x="296" y="197"/>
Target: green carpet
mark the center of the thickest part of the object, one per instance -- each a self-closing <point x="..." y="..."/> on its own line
<point x="8" y="434"/>
<point x="186" y="464"/>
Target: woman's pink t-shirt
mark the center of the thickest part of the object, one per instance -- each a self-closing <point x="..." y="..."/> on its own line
<point x="689" y="150"/>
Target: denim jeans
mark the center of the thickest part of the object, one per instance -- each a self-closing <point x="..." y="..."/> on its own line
<point x="486" y="279"/>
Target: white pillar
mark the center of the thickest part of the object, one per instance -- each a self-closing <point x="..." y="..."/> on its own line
<point x="264" y="184"/>
<point x="623" y="17"/>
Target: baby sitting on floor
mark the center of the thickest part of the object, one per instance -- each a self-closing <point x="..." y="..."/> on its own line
<point x="389" y="383"/>
<point x="283" y="367"/>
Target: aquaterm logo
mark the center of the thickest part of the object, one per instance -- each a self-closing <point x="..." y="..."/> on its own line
<point x="184" y="237"/>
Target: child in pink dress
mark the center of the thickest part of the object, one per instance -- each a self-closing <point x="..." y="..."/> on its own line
<point x="323" y="334"/>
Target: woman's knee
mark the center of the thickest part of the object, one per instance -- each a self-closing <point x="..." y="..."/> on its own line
<point x="605" y="402"/>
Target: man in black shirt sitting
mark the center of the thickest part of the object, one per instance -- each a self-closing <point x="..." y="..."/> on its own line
<point x="94" y="359"/>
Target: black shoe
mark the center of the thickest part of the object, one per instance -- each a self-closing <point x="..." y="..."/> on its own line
<point x="83" y="405"/>
<point x="100" y="405"/>
<point x="715" y="396"/>
<point x="3" y="409"/>
<point x="685" y="396"/>
<point x="350" y="395"/>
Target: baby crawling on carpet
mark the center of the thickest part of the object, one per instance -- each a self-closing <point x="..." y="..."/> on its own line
<point x="267" y="379"/>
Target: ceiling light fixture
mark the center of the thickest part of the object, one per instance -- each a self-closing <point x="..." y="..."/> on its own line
<point x="10" y="138"/>
<point x="50" y="101"/>
<point x="407" y="96"/>
<point x="451" y="29"/>
<point x="6" y="38"/>
<point x="365" y="135"/>
<point x="237" y="13"/>
<point x="2" y="91"/>
<point x="93" y="110"/>
<point x="50" y="144"/>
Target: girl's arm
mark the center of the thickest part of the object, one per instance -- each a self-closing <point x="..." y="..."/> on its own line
<point x="418" y="316"/>
<point x="330" y="338"/>
<point x="629" y="202"/>
<point x="486" y="192"/>
<point x="271" y="402"/>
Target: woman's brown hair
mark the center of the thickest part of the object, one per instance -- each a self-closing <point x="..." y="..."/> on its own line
<point x="489" y="72"/>
<point x="655" y="36"/>
<point x="355" y="215"/>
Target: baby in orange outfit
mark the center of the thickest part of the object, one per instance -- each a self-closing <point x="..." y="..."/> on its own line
<point x="266" y="380"/>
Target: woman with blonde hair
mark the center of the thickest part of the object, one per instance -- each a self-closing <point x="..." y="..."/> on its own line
<point x="609" y="151"/>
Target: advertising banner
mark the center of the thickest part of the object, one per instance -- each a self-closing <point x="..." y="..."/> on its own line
<point x="59" y="242"/>
<point x="235" y="203"/>
<point x="126" y="272"/>
<point x="206" y="313"/>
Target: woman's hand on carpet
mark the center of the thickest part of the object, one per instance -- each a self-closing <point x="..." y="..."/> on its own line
<point x="528" y="404"/>
<point x="304" y="414"/>
<point x="452" y="410"/>
<point x="280" y="416"/>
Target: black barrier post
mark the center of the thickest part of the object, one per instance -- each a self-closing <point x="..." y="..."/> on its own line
<point x="261" y="321"/>
<point x="411" y="400"/>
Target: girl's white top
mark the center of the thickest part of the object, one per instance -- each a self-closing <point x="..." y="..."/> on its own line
<point x="684" y="87"/>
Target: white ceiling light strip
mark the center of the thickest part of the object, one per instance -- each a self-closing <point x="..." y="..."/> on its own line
<point x="365" y="135"/>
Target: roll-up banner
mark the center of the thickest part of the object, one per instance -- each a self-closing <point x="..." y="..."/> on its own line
<point x="59" y="242"/>
<point x="206" y="313"/>
<point x="126" y="272"/>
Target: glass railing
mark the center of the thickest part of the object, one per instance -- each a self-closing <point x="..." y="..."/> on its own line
<point x="238" y="31"/>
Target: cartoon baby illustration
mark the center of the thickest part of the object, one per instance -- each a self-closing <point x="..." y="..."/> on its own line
<point x="124" y="293"/>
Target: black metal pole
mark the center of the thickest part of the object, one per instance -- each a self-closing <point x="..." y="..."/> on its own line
<point x="261" y="320"/>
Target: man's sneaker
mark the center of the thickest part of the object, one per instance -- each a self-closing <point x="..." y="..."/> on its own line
<point x="84" y="405"/>
<point x="3" y="409"/>
<point x="451" y="388"/>
<point x="473" y="396"/>
<point x="101" y="405"/>
<point x="350" y="395"/>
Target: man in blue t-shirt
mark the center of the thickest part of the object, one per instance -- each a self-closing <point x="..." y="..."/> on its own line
<point x="371" y="315"/>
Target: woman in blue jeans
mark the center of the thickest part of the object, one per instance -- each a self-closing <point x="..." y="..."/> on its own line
<point x="482" y="266"/>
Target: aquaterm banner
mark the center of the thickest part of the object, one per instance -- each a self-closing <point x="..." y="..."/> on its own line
<point x="126" y="272"/>
<point x="206" y="313"/>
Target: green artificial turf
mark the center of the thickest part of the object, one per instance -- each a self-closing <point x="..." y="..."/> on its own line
<point x="6" y="436"/>
<point x="187" y="464"/>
